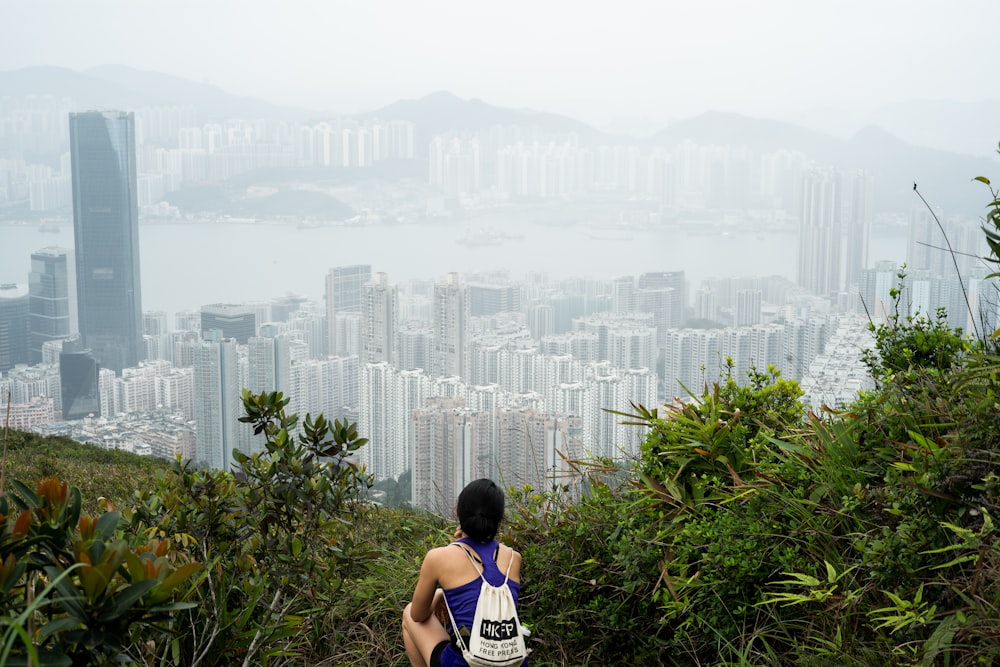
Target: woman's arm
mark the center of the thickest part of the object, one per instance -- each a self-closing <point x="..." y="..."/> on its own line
<point x="423" y="595"/>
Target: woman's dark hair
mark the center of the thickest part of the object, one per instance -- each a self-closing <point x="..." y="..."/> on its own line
<point x="480" y="510"/>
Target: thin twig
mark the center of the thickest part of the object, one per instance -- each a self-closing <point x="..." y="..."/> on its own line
<point x="260" y="630"/>
<point x="961" y="282"/>
<point x="3" y="459"/>
<point x="959" y="253"/>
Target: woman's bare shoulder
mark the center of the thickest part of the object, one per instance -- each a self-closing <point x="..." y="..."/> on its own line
<point x="443" y="554"/>
<point x="514" y="552"/>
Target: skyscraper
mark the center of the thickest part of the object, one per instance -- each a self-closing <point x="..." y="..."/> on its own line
<point x="819" y="240"/>
<point x="344" y="294"/>
<point x="48" y="299"/>
<point x="106" y="232"/>
<point x="859" y="228"/>
<point x="748" y="307"/>
<point x="493" y="299"/>
<point x="875" y="285"/>
<point x="451" y="325"/>
<point x="216" y="402"/>
<point x="79" y="371"/>
<point x="672" y="280"/>
<point x="380" y="310"/>
<point x="445" y="439"/>
<point x="14" y="319"/>
<point x="237" y="321"/>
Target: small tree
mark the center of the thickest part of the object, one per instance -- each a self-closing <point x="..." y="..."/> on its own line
<point x="276" y="534"/>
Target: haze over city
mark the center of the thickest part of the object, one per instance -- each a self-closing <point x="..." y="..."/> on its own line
<point x="399" y="211"/>
<point x="600" y="62"/>
<point x="692" y="306"/>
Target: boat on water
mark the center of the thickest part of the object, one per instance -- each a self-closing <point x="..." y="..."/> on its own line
<point x="487" y="237"/>
<point x="609" y="237"/>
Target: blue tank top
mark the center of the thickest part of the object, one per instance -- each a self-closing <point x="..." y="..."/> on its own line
<point x="462" y="599"/>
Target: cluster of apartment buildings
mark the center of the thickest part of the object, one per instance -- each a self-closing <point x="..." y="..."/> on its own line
<point x="172" y="148"/>
<point x="458" y="377"/>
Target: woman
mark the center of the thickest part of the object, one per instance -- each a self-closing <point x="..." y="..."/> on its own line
<point x="447" y="572"/>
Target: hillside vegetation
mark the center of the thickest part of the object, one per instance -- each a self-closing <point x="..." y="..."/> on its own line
<point x="96" y="472"/>
<point x="748" y="532"/>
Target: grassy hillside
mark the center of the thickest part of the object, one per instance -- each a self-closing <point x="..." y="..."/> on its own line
<point x="95" y="471"/>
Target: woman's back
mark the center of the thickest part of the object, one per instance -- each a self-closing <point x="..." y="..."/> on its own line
<point x="463" y="582"/>
<point x="455" y="573"/>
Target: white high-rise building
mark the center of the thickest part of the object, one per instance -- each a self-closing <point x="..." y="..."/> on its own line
<point x="692" y="361"/>
<point x="445" y="436"/>
<point x="25" y="383"/>
<point x="135" y="390"/>
<point x="632" y="347"/>
<point x="984" y="302"/>
<point x="655" y="288"/>
<point x="541" y="320"/>
<point x="175" y="390"/>
<point x="310" y="325"/>
<point x="804" y="341"/>
<point x="451" y="326"/>
<point x="748" y="305"/>
<point x="859" y="228"/>
<point x="270" y="363"/>
<point x="379" y="316"/>
<point x="580" y="345"/>
<point x="348" y="327"/>
<point x="106" y="390"/>
<point x="217" y="402"/>
<point x="924" y="241"/>
<point x="486" y="401"/>
<point x="837" y="375"/>
<point x="536" y="447"/>
<point x="607" y="437"/>
<point x="344" y="294"/>
<point x="388" y="399"/>
<point x="623" y="295"/>
<point x="415" y="347"/>
<point x="876" y="303"/>
<point x="820" y="232"/>
<point x="330" y="386"/>
<point x="627" y="324"/>
<point x="551" y="371"/>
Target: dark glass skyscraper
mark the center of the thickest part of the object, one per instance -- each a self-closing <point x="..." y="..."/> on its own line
<point x="48" y="298"/>
<point x="79" y="371"/>
<point x="13" y="326"/>
<point x="231" y="320"/>
<point x="106" y="228"/>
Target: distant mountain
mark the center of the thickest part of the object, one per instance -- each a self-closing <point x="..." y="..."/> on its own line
<point x="759" y="134"/>
<point x="121" y="87"/>
<point x="442" y="112"/>
<point x="86" y="91"/>
<point x="295" y="203"/>
<point x="962" y="127"/>
<point x="944" y="175"/>
<point x="972" y="128"/>
<point x="945" y="178"/>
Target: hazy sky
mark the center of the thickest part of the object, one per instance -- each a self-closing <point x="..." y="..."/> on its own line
<point x="662" y="59"/>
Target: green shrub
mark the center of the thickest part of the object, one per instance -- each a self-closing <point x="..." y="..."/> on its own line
<point x="277" y="536"/>
<point x="77" y="588"/>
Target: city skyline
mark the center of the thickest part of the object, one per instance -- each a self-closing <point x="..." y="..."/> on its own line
<point x="497" y="284"/>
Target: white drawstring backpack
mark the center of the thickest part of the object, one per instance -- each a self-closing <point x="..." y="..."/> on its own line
<point x="497" y="638"/>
